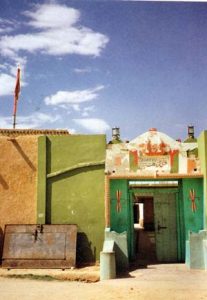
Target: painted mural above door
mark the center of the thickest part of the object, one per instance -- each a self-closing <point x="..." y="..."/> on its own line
<point x="152" y="153"/>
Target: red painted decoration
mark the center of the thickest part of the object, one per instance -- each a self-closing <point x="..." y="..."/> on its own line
<point x="135" y="156"/>
<point x="118" y="198"/>
<point x="192" y="198"/>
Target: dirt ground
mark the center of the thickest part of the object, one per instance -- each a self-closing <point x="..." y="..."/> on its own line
<point x="170" y="281"/>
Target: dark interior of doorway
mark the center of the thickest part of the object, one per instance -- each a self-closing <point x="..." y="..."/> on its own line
<point x="144" y="229"/>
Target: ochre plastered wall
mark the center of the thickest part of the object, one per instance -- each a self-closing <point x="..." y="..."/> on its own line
<point x="18" y="180"/>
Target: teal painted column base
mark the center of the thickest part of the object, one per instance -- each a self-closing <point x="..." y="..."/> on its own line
<point x="114" y="255"/>
<point x="107" y="265"/>
<point x="187" y="253"/>
<point x="205" y="253"/>
<point x="120" y="248"/>
<point x="196" y="250"/>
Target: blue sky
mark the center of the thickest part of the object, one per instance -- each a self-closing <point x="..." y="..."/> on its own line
<point x="87" y="66"/>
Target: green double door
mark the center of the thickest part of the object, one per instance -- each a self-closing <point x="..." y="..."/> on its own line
<point x="165" y="227"/>
<point x="165" y="219"/>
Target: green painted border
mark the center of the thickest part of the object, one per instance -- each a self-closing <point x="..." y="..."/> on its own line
<point x="181" y="222"/>
<point x="41" y="180"/>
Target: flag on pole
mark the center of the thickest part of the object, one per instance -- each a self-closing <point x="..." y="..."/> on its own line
<point x="16" y="97"/>
<point x="17" y="90"/>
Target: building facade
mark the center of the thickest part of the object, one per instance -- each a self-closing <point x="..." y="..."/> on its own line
<point x="152" y="188"/>
<point x="156" y="193"/>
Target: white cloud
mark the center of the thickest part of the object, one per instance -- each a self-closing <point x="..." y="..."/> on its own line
<point x="76" y="107"/>
<point x="87" y="110"/>
<point x="5" y="29"/>
<point x="93" y="125"/>
<point x="6" y="122"/>
<point x="73" y="97"/>
<point x="36" y="120"/>
<point x="5" y="22"/>
<point x="8" y="76"/>
<point x="6" y="25"/>
<point x="52" y="16"/>
<point x="8" y="81"/>
<point x="55" y="35"/>
<point x="21" y="63"/>
<point x="7" y="84"/>
<point x="4" y="66"/>
<point x="85" y="114"/>
<point x="71" y="130"/>
<point x="82" y="71"/>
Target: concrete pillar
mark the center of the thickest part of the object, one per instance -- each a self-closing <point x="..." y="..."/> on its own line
<point x="107" y="265"/>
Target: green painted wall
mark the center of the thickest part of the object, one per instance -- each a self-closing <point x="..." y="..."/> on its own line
<point x="202" y="153"/>
<point x="121" y="220"/>
<point x="75" y="188"/>
<point x="193" y="220"/>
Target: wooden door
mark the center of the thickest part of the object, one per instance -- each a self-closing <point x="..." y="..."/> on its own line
<point x="165" y="227"/>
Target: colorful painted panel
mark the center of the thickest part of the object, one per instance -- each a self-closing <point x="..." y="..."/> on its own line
<point x="151" y="153"/>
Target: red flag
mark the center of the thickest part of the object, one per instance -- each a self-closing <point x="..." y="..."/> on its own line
<point x="17" y="90"/>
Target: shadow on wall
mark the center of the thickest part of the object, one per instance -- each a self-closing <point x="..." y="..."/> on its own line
<point x="3" y="183"/>
<point x="84" y="254"/>
<point x="23" y="154"/>
<point x="1" y="243"/>
<point x="122" y="261"/>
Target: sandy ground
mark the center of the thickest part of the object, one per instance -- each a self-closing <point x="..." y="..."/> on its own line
<point x="155" y="282"/>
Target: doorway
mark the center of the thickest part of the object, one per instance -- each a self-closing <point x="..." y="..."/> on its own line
<point x="144" y="229"/>
<point x="166" y="227"/>
<point x="155" y="227"/>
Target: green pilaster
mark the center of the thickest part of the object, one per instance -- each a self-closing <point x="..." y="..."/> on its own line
<point x="193" y="219"/>
<point x="180" y="223"/>
<point x="202" y="153"/>
<point x="174" y="168"/>
<point x="41" y="181"/>
<point x="121" y="216"/>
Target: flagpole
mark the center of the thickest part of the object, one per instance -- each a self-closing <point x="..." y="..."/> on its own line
<point x="16" y="97"/>
<point x="14" y="121"/>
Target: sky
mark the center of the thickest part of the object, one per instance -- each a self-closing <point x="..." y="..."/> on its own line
<point x="88" y="66"/>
